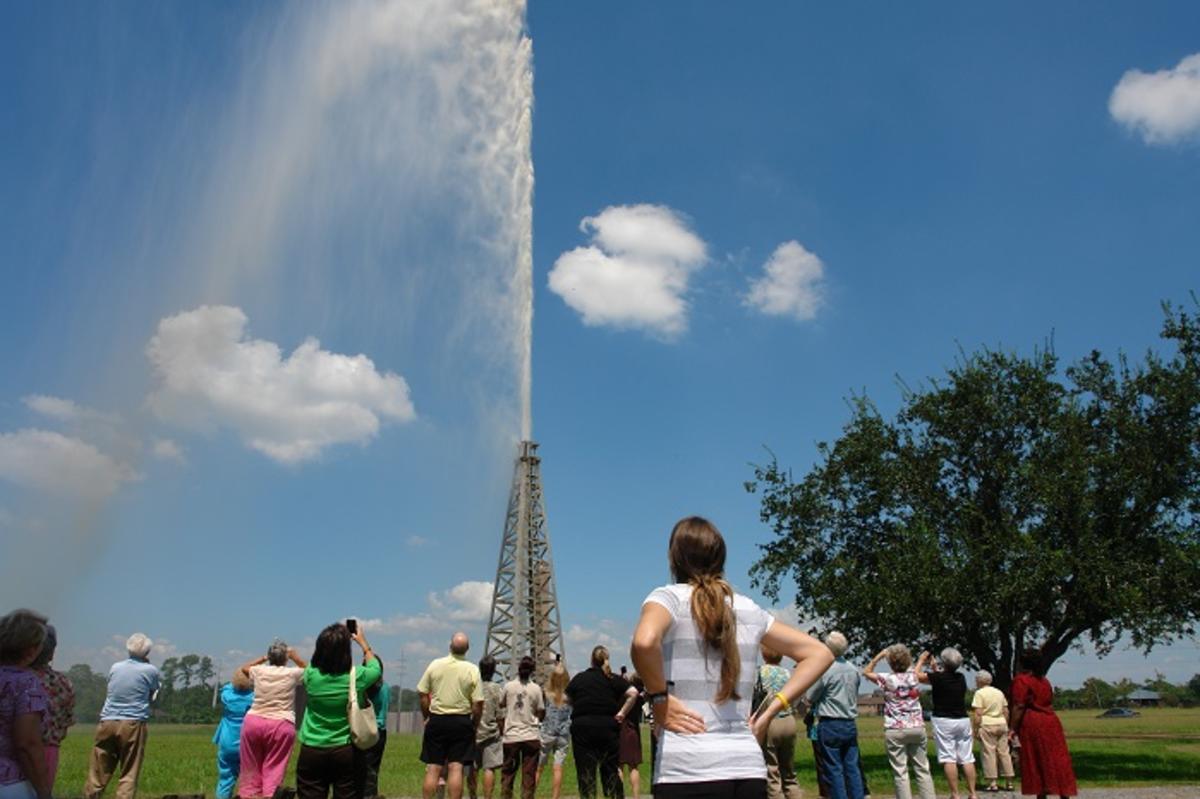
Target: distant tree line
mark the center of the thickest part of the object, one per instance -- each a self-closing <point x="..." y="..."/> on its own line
<point x="1096" y="693"/>
<point x="186" y="695"/>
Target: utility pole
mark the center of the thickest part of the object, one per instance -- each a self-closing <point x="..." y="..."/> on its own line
<point x="525" y="617"/>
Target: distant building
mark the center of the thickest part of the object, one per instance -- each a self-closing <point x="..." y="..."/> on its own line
<point x="870" y="705"/>
<point x="1142" y="698"/>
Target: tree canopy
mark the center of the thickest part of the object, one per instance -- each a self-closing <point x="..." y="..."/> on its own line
<point x="1007" y="504"/>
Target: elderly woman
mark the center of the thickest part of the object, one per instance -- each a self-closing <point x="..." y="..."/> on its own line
<point x="121" y="734"/>
<point x="951" y="728"/>
<point x="990" y="709"/>
<point x="60" y="694"/>
<point x="236" y="697"/>
<point x="327" y="757"/>
<point x="269" y="729"/>
<point x="23" y="706"/>
<point x="903" y="722"/>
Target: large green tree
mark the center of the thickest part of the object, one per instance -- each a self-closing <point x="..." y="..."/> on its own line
<point x="1007" y="504"/>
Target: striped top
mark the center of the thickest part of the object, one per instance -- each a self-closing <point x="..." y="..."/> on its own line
<point x="727" y="749"/>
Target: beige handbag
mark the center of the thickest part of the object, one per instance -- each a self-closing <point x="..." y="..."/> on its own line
<point x="364" y="729"/>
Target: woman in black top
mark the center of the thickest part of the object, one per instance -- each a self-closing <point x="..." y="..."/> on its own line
<point x="596" y="697"/>
<point x="952" y="729"/>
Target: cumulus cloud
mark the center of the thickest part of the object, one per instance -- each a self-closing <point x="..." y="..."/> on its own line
<point x="62" y="465"/>
<point x="791" y="283"/>
<point x="64" y="410"/>
<point x="467" y="603"/>
<point x="168" y="450"/>
<point x="288" y="408"/>
<point x="635" y="272"/>
<point x="1163" y="106"/>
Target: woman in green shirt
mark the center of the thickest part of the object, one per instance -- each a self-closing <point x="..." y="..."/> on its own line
<point x="327" y="756"/>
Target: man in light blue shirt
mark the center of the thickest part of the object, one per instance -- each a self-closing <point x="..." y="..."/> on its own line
<point x="121" y="734"/>
<point x="834" y="699"/>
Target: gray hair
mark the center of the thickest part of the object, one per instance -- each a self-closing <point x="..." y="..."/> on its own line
<point x="48" y="646"/>
<point x="21" y="631"/>
<point x="951" y="658"/>
<point x="983" y="677"/>
<point x="837" y="643"/>
<point x="899" y="657"/>
<point x="277" y="653"/>
<point x="138" y="646"/>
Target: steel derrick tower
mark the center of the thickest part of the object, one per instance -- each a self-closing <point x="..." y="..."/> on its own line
<point x="525" y="618"/>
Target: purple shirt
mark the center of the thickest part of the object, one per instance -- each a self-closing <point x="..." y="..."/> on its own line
<point x="21" y="693"/>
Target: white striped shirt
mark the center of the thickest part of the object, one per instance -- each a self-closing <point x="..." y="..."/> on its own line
<point x="727" y="749"/>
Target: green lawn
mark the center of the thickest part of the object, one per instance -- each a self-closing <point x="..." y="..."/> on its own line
<point x="1157" y="748"/>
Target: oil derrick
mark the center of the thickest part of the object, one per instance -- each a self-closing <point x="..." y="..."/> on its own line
<point x="525" y="618"/>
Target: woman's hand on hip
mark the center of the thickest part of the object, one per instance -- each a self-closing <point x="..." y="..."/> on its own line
<point x="675" y="716"/>
<point x="759" y="725"/>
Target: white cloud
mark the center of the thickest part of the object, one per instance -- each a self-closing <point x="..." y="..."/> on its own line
<point x="791" y="283"/>
<point x="416" y="541"/>
<point x="64" y="410"/>
<point x="290" y="409"/>
<point x="467" y="601"/>
<point x="1163" y="106"/>
<point x="59" y="464"/>
<point x="421" y="622"/>
<point x="580" y="639"/>
<point x="635" y="273"/>
<point x="168" y="450"/>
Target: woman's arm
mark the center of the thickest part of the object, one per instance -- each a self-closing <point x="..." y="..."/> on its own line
<point x="869" y="671"/>
<point x="295" y="658"/>
<point x="27" y="740"/>
<point x="631" y="695"/>
<point x="812" y="658"/>
<point x="252" y="663"/>
<point x="647" y="656"/>
<point x="372" y="669"/>
<point x="922" y="661"/>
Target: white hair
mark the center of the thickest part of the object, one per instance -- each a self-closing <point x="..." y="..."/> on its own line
<point x="951" y="658"/>
<point x="138" y="646"/>
<point x="837" y="643"/>
<point x="983" y="677"/>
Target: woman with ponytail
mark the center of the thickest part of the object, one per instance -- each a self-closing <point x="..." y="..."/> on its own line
<point x="695" y="647"/>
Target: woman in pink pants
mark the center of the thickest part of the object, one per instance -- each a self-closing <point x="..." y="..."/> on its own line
<point x="269" y="729"/>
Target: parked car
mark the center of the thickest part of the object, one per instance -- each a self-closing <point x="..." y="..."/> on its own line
<point x="1118" y="713"/>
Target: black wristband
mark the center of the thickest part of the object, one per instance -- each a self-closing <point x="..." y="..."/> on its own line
<point x="656" y="697"/>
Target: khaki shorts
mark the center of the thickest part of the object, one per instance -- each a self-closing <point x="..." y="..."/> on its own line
<point x="489" y="754"/>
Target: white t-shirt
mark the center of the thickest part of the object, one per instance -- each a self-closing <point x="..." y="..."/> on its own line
<point x="522" y="703"/>
<point x="727" y="749"/>
<point x="275" y="691"/>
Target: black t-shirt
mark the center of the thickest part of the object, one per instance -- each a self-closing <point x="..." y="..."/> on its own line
<point x="594" y="693"/>
<point x="949" y="694"/>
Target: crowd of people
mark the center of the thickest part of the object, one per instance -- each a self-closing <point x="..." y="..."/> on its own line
<point x="724" y="724"/>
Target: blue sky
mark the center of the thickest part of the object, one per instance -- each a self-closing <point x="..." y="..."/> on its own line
<point x="949" y="175"/>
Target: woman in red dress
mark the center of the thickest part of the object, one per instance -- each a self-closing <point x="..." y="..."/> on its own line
<point x="1045" y="761"/>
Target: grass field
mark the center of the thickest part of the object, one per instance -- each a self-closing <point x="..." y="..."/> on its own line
<point x="1158" y="748"/>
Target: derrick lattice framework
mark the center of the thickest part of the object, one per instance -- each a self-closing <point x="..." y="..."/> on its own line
<point x="525" y="618"/>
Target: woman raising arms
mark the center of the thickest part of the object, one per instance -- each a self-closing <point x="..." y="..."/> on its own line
<point x="702" y="638"/>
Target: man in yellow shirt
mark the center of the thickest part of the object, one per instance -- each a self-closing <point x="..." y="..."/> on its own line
<point x="451" y="701"/>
